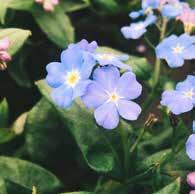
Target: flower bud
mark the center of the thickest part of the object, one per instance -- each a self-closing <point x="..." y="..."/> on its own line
<point x="48" y="6"/>
<point x="4" y="44"/>
<point x="192" y="192"/>
<point x="5" y="56"/>
<point x="55" y="2"/>
<point x="191" y="180"/>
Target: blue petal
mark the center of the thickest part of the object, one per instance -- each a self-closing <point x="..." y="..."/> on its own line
<point x="186" y="85"/>
<point x="193" y="126"/>
<point x="151" y="19"/>
<point x="171" y="11"/>
<point x="176" y="102"/>
<point x="189" y="52"/>
<point x="120" y="65"/>
<point x="190" y="147"/>
<point x="81" y="88"/>
<point x="186" y="40"/>
<point x="94" y="96"/>
<point x="175" y="61"/>
<point x="107" y="77"/>
<point x="72" y="58"/>
<point x="136" y="14"/>
<point x="62" y="96"/>
<point x="107" y="116"/>
<point x="128" y="109"/>
<point x="128" y="87"/>
<point x="56" y="72"/>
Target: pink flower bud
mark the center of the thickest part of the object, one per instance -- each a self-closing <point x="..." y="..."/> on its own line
<point x="141" y="48"/>
<point x="55" y="2"/>
<point x="48" y="6"/>
<point x="5" y="56"/>
<point x="4" y="44"/>
<point x="39" y="1"/>
<point x="191" y="179"/>
<point x="192" y="192"/>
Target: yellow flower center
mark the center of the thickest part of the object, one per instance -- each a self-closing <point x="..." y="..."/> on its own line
<point x="72" y="78"/>
<point x="178" y="49"/>
<point x="113" y="97"/>
<point x="189" y="94"/>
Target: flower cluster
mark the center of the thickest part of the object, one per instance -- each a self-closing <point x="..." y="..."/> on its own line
<point x="48" y="5"/>
<point x="168" y="9"/>
<point x="4" y="55"/>
<point x="108" y="93"/>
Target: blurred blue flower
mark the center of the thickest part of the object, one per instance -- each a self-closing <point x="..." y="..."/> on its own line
<point x="174" y="9"/>
<point x="183" y="98"/>
<point x="111" y="95"/>
<point x="190" y="147"/>
<point x="176" y="49"/>
<point x="70" y="77"/>
<point x="147" y="8"/>
<point x="136" y="30"/>
<point x="112" y="59"/>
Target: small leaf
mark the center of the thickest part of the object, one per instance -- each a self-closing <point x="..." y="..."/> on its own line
<point x="6" y="135"/>
<point x="56" y="25"/>
<point x="27" y="174"/>
<point x="4" y="113"/>
<point x="17" y="37"/>
<point x="173" y="188"/>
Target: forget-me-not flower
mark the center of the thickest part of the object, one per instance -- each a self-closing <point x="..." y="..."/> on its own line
<point x="111" y="95"/>
<point x="176" y="49"/>
<point x="103" y="59"/>
<point x="190" y="147"/>
<point x="70" y="77"/>
<point x="136" y="30"/>
<point x="182" y="99"/>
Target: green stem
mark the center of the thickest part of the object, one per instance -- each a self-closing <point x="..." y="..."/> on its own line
<point x="115" y="154"/>
<point x="124" y="139"/>
<point x="149" y="42"/>
<point x="138" y="140"/>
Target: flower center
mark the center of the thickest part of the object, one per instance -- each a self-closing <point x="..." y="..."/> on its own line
<point x="178" y="49"/>
<point x="73" y="78"/>
<point x="189" y="94"/>
<point x="113" y="97"/>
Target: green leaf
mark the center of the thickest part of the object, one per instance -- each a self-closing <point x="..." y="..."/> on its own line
<point x="3" y="189"/>
<point x="139" y="65"/>
<point x="192" y="3"/>
<point x="4" y="113"/>
<point x="56" y="25"/>
<point x="173" y="188"/>
<point x="27" y="174"/>
<point x="6" y="135"/>
<point x="80" y="192"/>
<point x="17" y="37"/>
<point x="87" y="134"/>
<point x="70" y="6"/>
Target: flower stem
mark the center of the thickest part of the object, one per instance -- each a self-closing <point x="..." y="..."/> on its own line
<point x="124" y="139"/>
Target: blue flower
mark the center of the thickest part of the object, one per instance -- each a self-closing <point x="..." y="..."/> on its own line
<point x="172" y="10"/>
<point x="70" y="77"/>
<point x="136" y="30"/>
<point x="176" y="49"/>
<point x="183" y="98"/>
<point x="190" y="147"/>
<point x="147" y="8"/>
<point x="112" y="59"/>
<point x="111" y="95"/>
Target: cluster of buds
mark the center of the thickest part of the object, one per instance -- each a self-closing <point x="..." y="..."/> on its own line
<point x="188" y="19"/>
<point x="191" y="181"/>
<point x="4" y="55"/>
<point x="48" y="5"/>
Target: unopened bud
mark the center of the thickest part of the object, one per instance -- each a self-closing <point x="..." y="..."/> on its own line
<point x="191" y="179"/>
<point x="5" y="56"/>
<point x="150" y="120"/>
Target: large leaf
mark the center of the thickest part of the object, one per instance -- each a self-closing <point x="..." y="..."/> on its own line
<point x="3" y="189"/>
<point x="17" y="37"/>
<point x="56" y="25"/>
<point x="27" y="174"/>
<point x="173" y="188"/>
<point x="14" y="4"/>
<point x="139" y="65"/>
<point x="86" y="133"/>
<point x="4" y="113"/>
<point x="70" y="6"/>
<point x="79" y="192"/>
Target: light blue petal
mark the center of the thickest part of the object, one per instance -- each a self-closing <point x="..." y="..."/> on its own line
<point x="81" y="88"/>
<point x="193" y="126"/>
<point x="128" y="87"/>
<point x="72" y="58"/>
<point x="186" y="40"/>
<point x="175" y="61"/>
<point x="136" y="14"/>
<point x="107" y="116"/>
<point x="94" y="96"/>
<point x="121" y="65"/>
<point x="151" y="19"/>
<point x="107" y="77"/>
<point x="56" y="72"/>
<point x="190" y="147"/>
<point x="176" y="102"/>
<point x="62" y="96"/>
<point x="129" y="110"/>
<point x="171" y="11"/>
<point x="189" y="53"/>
